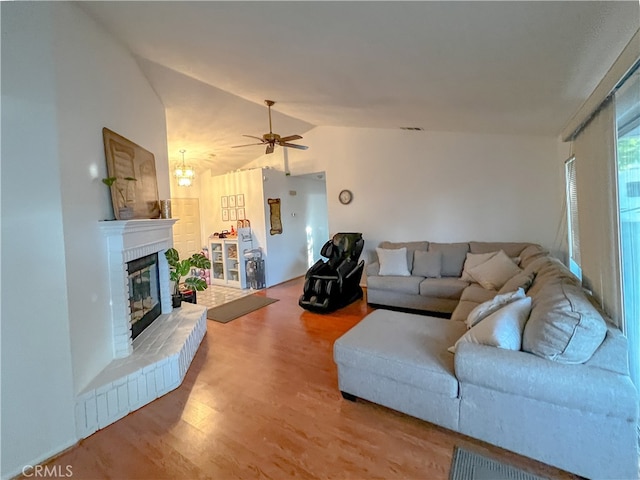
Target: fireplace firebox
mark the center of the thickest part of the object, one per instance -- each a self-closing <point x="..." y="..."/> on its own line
<point x="144" y="292"/>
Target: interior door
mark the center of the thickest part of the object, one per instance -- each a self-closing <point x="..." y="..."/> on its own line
<point x="186" y="231"/>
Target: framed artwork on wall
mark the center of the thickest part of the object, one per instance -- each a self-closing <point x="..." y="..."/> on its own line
<point x="240" y="200"/>
<point x="224" y="202"/>
<point x="241" y="214"/>
<point x="232" y="201"/>
<point x="225" y="214"/>
<point x="232" y="214"/>
<point x="274" y="216"/>
<point x="133" y="168"/>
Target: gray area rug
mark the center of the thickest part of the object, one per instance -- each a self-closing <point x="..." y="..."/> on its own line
<point x="232" y="310"/>
<point x="467" y="465"/>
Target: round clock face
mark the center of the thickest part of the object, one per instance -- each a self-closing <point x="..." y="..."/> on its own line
<point x="345" y="196"/>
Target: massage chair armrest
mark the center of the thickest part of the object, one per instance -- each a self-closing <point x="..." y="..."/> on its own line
<point x="358" y="268"/>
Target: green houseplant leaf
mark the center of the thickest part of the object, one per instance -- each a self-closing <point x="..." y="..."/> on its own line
<point x="180" y="268"/>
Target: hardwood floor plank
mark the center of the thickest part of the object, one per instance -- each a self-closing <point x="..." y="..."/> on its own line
<point x="261" y="401"/>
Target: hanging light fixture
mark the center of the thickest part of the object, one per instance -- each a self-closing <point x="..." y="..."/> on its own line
<point x="184" y="173"/>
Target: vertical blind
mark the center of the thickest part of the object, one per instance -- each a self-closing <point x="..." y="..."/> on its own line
<point x="572" y="210"/>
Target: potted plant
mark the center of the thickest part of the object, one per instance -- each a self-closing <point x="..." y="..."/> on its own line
<point x="125" y="212"/>
<point x="179" y="268"/>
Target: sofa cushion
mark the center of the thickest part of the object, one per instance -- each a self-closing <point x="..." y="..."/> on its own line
<point x="410" y="246"/>
<point x="443" y="287"/>
<point x="502" y="329"/>
<point x="406" y="347"/>
<point x="392" y="283"/>
<point x="427" y="264"/>
<point x="490" y="306"/>
<point x="475" y="293"/>
<point x="462" y="310"/>
<point x="393" y="262"/>
<point x="453" y="257"/>
<point x="471" y="297"/>
<point x="512" y="249"/>
<point x="473" y="260"/>
<point x="372" y="268"/>
<point x="521" y="280"/>
<point x="495" y="272"/>
<point x="547" y="271"/>
<point x="564" y="326"/>
<point x="531" y="253"/>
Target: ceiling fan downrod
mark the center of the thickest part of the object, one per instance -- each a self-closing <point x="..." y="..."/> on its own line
<point x="269" y="103"/>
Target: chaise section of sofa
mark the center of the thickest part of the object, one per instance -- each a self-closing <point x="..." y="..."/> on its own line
<point x="400" y="361"/>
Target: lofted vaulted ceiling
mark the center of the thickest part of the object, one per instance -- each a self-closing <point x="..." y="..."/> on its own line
<point x="494" y="67"/>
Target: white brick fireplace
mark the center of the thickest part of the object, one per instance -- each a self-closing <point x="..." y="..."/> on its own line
<point x="156" y="361"/>
<point x="127" y="241"/>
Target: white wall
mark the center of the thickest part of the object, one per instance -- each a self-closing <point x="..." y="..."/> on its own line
<point x="63" y="80"/>
<point x="437" y="186"/>
<point x="37" y="380"/>
<point x="286" y="253"/>
<point x="98" y="85"/>
<point x="313" y="198"/>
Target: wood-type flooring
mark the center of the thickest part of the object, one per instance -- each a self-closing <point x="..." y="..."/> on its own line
<point x="261" y="401"/>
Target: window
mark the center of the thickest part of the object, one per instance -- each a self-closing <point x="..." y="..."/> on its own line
<point x="572" y="217"/>
<point x="628" y="172"/>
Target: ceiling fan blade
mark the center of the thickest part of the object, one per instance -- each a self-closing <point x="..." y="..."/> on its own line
<point x="253" y="136"/>
<point x="293" y="145"/>
<point x="290" y="137"/>
<point x="247" y="145"/>
<point x="269" y="148"/>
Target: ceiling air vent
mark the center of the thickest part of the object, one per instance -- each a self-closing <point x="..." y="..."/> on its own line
<point x="413" y="129"/>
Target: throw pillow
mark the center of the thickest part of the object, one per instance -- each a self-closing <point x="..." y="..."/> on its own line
<point x="490" y="306"/>
<point x="521" y="280"/>
<point x="427" y="264"/>
<point x="502" y="329"/>
<point x="393" y="262"/>
<point x="495" y="272"/>
<point x="564" y="326"/>
<point x="453" y="256"/>
<point x="473" y="260"/>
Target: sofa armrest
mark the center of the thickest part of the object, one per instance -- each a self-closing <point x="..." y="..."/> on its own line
<point x="372" y="269"/>
<point x="519" y="373"/>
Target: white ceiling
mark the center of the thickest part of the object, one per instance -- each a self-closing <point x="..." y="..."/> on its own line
<point x="495" y="67"/>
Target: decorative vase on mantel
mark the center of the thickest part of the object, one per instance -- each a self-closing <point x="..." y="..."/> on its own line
<point x="125" y="213"/>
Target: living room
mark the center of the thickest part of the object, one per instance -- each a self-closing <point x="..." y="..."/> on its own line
<point x="65" y="77"/>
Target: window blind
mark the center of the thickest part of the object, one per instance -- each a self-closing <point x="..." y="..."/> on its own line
<point x="594" y="150"/>
<point x="572" y="210"/>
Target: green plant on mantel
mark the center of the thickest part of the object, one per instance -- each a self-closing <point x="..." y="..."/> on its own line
<point x="123" y="191"/>
<point x="179" y="268"/>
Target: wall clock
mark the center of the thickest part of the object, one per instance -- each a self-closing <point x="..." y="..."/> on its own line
<point x="345" y="197"/>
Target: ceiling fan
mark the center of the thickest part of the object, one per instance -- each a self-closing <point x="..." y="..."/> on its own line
<point x="272" y="139"/>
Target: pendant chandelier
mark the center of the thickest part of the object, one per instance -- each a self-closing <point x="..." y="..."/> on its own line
<point x="184" y="173"/>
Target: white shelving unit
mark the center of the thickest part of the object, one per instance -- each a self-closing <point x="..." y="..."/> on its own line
<point x="227" y="260"/>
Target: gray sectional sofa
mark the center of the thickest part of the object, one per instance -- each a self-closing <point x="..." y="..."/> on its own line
<point x="564" y="397"/>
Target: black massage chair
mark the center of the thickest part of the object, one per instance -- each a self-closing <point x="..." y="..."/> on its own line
<point x="335" y="283"/>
